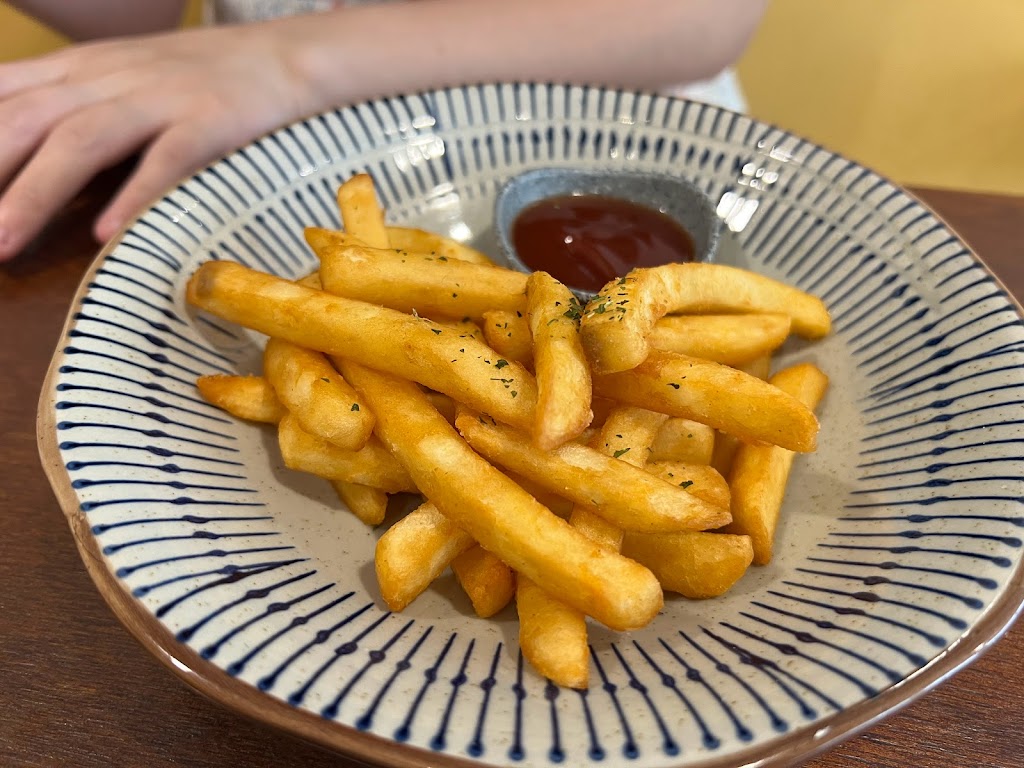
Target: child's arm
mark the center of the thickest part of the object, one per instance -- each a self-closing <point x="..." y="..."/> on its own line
<point x="189" y="97"/>
<point x="104" y="18"/>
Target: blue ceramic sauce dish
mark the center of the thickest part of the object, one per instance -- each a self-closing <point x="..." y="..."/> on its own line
<point x="586" y="227"/>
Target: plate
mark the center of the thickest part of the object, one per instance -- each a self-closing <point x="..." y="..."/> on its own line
<point x="899" y="553"/>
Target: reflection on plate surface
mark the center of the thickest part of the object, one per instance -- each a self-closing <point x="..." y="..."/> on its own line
<point x="900" y="537"/>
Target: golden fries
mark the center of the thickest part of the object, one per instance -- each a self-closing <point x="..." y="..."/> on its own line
<point x="759" y="472"/>
<point x="702" y="481"/>
<point x="499" y="514"/>
<point x="508" y="333"/>
<point x="727" y="339"/>
<point x="618" y="321"/>
<point x="415" y="551"/>
<point x="463" y="368"/>
<point x="371" y="465"/>
<point x="716" y="395"/>
<point x="489" y="583"/>
<point x="316" y="394"/>
<point x="552" y="635"/>
<point x="245" y="397"/>
<point x="622" y="494"/>
<point x="696" y="565"/>
<point x="683" y="440"/>
<point x="368" y="504"/>
<point x="563" y="377"/>
<point x="435" y="287"/>
<point x="405" y="364"/>
<point x="427" y="243"/>
<point x="360" y="213"/>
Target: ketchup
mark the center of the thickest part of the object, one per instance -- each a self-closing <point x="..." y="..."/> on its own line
<point x="587" y="240"/>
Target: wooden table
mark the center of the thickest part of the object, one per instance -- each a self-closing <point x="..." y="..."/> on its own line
<point x="77" y="690"/>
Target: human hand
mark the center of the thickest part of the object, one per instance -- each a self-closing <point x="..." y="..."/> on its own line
<point x="185" y="97"/>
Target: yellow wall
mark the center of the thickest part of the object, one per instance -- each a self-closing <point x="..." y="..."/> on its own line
<point x="929" y="92"/>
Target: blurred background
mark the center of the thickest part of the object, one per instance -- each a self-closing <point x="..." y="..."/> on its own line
<point x="928" y="92"/>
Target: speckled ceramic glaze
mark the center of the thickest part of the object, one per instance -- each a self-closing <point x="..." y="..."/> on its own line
<point x="899" y="552"/>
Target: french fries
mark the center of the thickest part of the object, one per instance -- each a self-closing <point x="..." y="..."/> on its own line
<point x="320" y="399"/>
<point x="563" y="377"/>
<point x="360" y="213"/>
<point x="414" y="240"/>
<point x="463" y="368"/>
<point x="683" y="440"/>
<point x="508" y="333"/>
<point x="371" y="465"/>
<point x="498" y="514"/>
<point x="617" y="322"/>
<point x="414" y="551"/>
<point x="622" y="494"/>
<point x="244" y="397"/>
<point x="716" y="395"/>
<point x="726" y="339"/>
<point x="368" y="504"/>
<point x="380" y="380"/>
<point x="435" y="287"/>
<point x="759" y="472"/>
<point x="488" y="582"/>
<point x="696" y="565"/>
<point x="552" y="635"/>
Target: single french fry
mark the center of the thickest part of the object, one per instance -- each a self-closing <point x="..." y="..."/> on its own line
<point x="701" y="480"/>
<point x="411" y="281"/>
<point x="371" y="465"/>
<point x="760" y="472"/>
<point x="488" y="582"/>
<point x="361" y="214"/>
<point x="368" y="504"/>
<point x="683" y="440"/>
<point x="725" y="445"/>
<point x="626" y="434"/>
<point x="563" y="376"/>
<point x="415" y="551"/>
<point x="552" y="636"/>
<point x="317" y="395"/>
<point x="618" y="322"/>
<point x="244" y="397"/>
<point x="400" y="239"/>
<point x="622" y="494"/>
<point x="420" y="241"/>
<point x="499" y="514"/>
<point x="508" y="333"/>
<point x="716" y="395"/>
<point x="381" y="338"/>
<point x="727" y="339"/>
<point x="697" y="565"/>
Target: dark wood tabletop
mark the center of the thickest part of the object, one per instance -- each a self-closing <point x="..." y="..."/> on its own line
<point x="77" y="690"/>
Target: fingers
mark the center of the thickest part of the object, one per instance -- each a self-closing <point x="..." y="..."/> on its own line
<point x="184" y="148"/>
<point x="75" y="150"/>
<point x="26" y="118"/>
<point x="18" y="76"/>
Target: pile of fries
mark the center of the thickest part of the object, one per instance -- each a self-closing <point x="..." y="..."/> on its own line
<point x="571" y="457"/>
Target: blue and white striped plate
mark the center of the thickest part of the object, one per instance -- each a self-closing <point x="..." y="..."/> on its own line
<point x="899" y="553"/>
